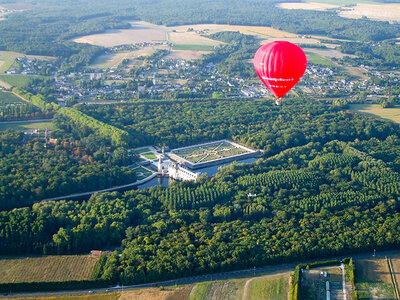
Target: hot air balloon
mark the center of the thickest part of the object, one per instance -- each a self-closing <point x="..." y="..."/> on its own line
<point x="280" y="65"/>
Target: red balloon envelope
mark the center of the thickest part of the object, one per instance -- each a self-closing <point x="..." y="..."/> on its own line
<point x="280" y="65"/>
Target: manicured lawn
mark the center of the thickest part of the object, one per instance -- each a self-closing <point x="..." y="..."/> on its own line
<point x="149" y="155"/>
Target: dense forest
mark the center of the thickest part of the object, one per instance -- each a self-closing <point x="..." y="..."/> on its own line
<point x="32" y="170"/>
<point x="324" y="187"/>
<point x="257" y="123"/>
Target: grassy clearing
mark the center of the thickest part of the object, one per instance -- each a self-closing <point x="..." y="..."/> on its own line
<point x="48" y="268"/>
<point x="194" y="47"/>
<point x="319" y="60"/>
<point x="200" y="291"/>
<point x="149" y="155"/>
<point x="7" y="57"/>
<point x="9" y="98"/>
<point x="22" y="126"/>
<point x="18" y="80"/>
<point x="373" y="279"/>
<point x="268" y="288"/>
<point x="375" y="110"/>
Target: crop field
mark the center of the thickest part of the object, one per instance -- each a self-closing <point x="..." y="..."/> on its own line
<point x="373" y="279"/>
<point x="48" y="268"/>
<point x="319" y="60"/>
<point x="380" y="12"/>
<point x="209" y="152"/>
<point x="9" y="98"/>
<point x="187" y="54"/>
<point x="191" y="38"/>
<point x="108" y="296"/>
<point x="18" y="80"/>
<point x="115" y="59"/>
<point x="140" y="32"/>
<point x="193" y="47"/>
<point x="275" y="288"/>
<point x="22" y="126"/>
<point x="216" y="290"/>
<point x="309" y="5"/>
<point x="375" y="110"/>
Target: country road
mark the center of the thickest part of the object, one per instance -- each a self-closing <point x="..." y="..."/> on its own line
<point x="27" y="121"/>
<point x="271" y="270"/>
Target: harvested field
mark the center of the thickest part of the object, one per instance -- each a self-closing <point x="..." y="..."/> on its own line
<point x="379" y="12"/>
<point x="308" y="6"/>
<point x="328" y="53"/>
<point x="169" y="293"/>
<point x="373" y="279"/>
<point x="140" y="32"/>
<point x="187" y="54"/>
<point x="48" y="268"/>
<point x="18" y="6"/>
<point x="114" y="59"/>
<point x="183" y="37"/>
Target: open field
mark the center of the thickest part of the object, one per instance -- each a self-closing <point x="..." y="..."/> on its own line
<point x="319" y="60"/>
<point x="209" y="152"/>
<point x="7" y="59"/>
<point x="108" y="296"/>
<point x="379" y="12"/>
<point x="268" y="288"/>
<point x="187" y="54"/>
<point x="373" y="279"/>
<point x="9" y="98"/>
<point x="395" y="261"/>
<point x="191" y="38"/>
<point x="169" y="293"/>
<point x="308" y="5"/>
<point x="193" y="47"/>
<point x="26" y="125"/>
<point x="352" y="8"/>
<point x="375" y="110"/>
<point x="264" y="34"/>
<point x="140" y="32"/>
<point x="48" y="268"/>
<point x="18" y="80"/>
<point x="114" y="59"/>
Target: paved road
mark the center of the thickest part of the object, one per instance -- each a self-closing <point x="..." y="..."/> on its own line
<point x="194" y="279"/>
<point x="27" y="121"/>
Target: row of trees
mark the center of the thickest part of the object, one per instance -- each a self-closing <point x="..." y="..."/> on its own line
<point x="69" y="119"/>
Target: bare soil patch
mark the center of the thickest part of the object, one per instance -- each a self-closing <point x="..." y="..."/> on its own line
<point x="187" y="54"/>
<point x="308" y="6"/>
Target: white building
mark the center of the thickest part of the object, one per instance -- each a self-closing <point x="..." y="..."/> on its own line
<point x="178" y="172"/>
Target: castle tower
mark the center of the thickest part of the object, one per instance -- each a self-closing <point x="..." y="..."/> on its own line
<point x="160" y="165"/>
